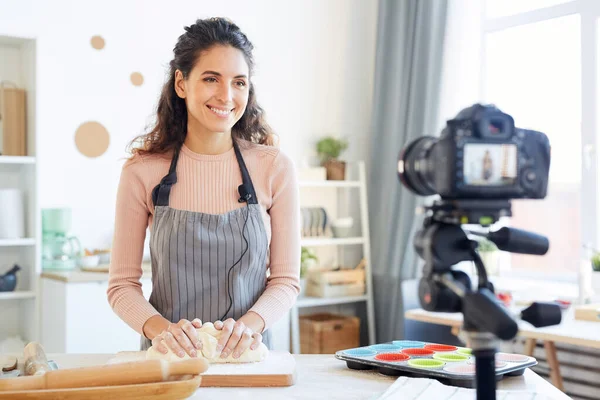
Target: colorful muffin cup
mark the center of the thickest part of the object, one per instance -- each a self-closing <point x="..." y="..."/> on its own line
<point x="465" y="351"/>
<point x="418" y="352"/>
<point x="392" y="357"/>
<point x="426" y="363"/>
<point x="466" y="369"/>
<point x="360" y="353"/>
<point x="440" y="347"/>
<point x="499" y="364"/>
<point x="385" y="348"/>
<point x="511" y="357"/>
<point x="408" y="344"/>
<point x="450" y="357"/>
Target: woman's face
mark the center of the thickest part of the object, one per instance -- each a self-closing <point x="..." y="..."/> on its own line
<point x="216" y="90"/>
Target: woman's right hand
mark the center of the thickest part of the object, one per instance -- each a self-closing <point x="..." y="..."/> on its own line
<point x="181" y="338"/>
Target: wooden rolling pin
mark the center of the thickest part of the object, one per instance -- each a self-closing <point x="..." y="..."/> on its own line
<point x="138" y="372"/>
<point x="35" y="362"/>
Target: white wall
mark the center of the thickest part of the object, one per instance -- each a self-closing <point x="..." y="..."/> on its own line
<point x="315" y="63"/>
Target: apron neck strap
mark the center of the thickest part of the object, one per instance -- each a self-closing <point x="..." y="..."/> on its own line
<point x="162" y="191"/>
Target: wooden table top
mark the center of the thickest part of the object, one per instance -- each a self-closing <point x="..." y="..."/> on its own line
<point x="570" y="330"/>
<point x="321" y="376"/>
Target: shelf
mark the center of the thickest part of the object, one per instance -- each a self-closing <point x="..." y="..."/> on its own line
<point x="317" y="241"/>
<point x="17" y="295"/>
<point x="321" y="301"/>
<point x="329" y="183"/>
<point x="17" y="242"/>
<point x="16" y="160"/>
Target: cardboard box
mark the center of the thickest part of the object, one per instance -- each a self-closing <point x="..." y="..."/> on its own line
<point x="13" y="122"/>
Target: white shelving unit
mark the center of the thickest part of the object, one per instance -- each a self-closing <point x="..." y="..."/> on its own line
<point x="313" y="242"/>
<point x="340" y="243"/>
<point x="17" y="242"/>
<point x="19" y="310"/>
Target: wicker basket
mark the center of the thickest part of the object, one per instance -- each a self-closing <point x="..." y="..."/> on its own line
<point x="327" y="333"/>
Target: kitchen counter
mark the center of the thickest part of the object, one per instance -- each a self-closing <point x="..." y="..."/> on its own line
<point x="80" y="276"/>
<point x="320" y="376"/>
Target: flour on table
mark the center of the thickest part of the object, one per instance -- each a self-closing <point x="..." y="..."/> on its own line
<point x="209" y="337"/>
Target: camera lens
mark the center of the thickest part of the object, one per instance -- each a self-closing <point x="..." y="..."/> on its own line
<point x="415" y="168"/>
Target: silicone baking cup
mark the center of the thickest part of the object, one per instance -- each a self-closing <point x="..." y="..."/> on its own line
<point x="360" y="352"/>
<point x="499" y="364"/>
<point x="465" y="351"/>
<point x="511" y="357"/>
<point x="385" y="347"/>
<point x="408" y="344"/>
<point x="450" y="357"/>
<point x="418" y="352"/>
<point x="392" y="357"/>
<point x="467" y="369"/>
<point x="440" y="347"/>
<point x="426" y="363"/>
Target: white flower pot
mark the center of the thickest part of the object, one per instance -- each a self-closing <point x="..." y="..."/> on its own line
<point x="302" y="286"/>
<point x="596" y="282"/>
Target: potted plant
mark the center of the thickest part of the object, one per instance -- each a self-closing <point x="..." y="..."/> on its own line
<point x="329" y="149"/>
<point x="489" y="255"/>
<point x="596" y="272"/>
<point x="308" y="259"/>
<point x="596" y="262"/>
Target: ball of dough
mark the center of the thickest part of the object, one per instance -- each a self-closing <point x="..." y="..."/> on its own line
<point x="209" y="337"/>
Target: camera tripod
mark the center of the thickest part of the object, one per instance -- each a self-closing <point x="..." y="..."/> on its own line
<point x="442" y="243"/>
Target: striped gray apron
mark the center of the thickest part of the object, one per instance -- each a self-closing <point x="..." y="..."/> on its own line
<point x="207" y="266"/>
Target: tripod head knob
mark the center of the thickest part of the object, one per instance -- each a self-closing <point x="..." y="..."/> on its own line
<point x="436" y="297"/>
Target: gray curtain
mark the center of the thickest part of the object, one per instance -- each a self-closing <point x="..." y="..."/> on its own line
<point x="408" y="68"/>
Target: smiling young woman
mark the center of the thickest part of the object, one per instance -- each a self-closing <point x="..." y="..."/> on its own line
<point x="220" y="200"/>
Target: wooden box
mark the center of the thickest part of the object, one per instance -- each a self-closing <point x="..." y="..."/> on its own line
<point x="335" y="283"/>
<point x="12" y="122"/>
<point x="589" y="312"/>
<point x="327" y="333"/>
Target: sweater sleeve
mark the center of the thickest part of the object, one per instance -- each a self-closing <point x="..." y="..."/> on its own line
<point x="283" y="283"/>
<point x="131" y="221"/>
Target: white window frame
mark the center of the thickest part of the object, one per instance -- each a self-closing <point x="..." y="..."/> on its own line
<point x="589" y="12"/>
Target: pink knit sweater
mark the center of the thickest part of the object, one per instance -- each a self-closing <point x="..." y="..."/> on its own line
<point x="208" y="184"/>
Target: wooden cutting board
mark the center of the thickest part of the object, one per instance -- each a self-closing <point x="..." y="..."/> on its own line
<point x="278" y="369"/>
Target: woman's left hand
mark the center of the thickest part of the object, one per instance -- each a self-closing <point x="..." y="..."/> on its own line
<point x="236" y="338"/>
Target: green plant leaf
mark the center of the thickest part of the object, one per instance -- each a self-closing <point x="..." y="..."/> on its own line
<point x="330" y="148"/>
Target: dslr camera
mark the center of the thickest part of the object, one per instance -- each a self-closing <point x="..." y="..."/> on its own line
<point x="479" y="155"/>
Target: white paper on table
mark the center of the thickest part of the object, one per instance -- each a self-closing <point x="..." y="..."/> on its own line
<point x="429" y="389"/>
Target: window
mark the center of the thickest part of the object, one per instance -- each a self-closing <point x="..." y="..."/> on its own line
<point x="502" y="8"/>
<point x="536" y="68"/>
